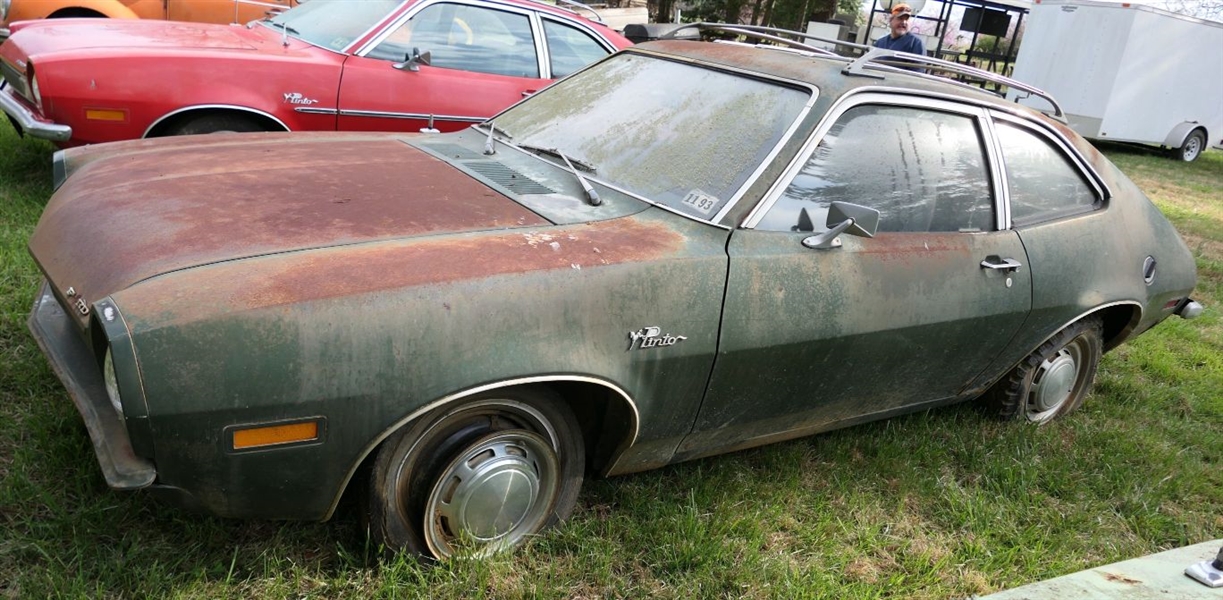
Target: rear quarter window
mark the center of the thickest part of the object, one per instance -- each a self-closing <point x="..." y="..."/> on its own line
<point x="1043" y="183"/>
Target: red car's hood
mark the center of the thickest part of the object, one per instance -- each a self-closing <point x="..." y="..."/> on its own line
<point x="57" y="35"/>
<point x="136" y="210"/>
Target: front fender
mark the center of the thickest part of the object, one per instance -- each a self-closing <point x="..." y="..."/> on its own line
<point x="365" y="337"/>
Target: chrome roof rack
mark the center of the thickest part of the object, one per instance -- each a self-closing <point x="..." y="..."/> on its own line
<point x="876" y="59"/>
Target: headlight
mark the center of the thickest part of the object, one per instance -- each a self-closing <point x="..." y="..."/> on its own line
<point x="4" y="4"/>
<point x="36" y="97"/>
<point x="112" y="383"/>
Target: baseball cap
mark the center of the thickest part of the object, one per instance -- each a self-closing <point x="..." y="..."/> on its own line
<point x="902" y="10"/>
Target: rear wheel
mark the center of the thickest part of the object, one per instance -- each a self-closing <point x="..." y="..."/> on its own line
<point x="1193" y="147"/>
<point x="1053" y="380"/>
<point x="478" y="478"/>
<point x="76" y="13"/>
<point x="215" y="123"/>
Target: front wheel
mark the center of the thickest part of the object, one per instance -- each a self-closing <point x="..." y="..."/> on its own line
<point x="215" y="123"/>
<point x="1053" y="380"/>
<point x="478" y="478"/>
<point x="1193" y="147"/>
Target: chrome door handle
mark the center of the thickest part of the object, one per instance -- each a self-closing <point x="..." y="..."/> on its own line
<point x="528" y="93"/>
<point x="1005" y="264"/>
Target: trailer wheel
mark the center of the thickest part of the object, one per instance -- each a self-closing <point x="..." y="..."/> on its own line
<point x="1193" y="147"/>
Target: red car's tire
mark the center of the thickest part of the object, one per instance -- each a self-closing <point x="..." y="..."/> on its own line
<point x="215" y="123"/>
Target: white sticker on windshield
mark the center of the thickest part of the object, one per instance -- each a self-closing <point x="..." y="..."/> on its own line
<point x="702" y="202"/>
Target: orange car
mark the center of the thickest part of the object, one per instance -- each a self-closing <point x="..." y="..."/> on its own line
<point x="202" y="11"/>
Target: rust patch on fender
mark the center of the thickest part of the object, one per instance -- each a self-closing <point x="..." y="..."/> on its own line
<point x="313" y="275"/>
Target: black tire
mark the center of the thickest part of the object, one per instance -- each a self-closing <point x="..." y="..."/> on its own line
<point x="215" y="123"/>
<point x="1053" y="380"/>
<point x="1193" y="147"/>
<point x="76" y="13"/>
<point x="515" y="453"/>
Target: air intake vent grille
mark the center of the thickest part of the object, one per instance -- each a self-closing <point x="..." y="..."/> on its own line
<point x="453" y="151"/>
<point x="509" y="178"/>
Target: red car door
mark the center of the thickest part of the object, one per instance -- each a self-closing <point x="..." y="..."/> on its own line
<point x="483" y="60"/>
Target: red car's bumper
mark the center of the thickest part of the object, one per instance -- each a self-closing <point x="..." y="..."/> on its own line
<point x="27" y="121"/>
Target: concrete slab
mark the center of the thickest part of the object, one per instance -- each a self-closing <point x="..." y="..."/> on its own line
<point x="1159" y="576"/>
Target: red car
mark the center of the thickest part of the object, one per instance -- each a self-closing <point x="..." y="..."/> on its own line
<point x="372" y="65"/>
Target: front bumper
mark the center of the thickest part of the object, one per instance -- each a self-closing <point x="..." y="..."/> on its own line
<point x="77" y="368"/>
<point x="28" y="122"/>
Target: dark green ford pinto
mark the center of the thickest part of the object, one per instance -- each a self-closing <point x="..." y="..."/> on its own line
<point x="686" y="249"/>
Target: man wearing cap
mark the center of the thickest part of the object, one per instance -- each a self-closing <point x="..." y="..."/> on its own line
<point x="900" y="39"/>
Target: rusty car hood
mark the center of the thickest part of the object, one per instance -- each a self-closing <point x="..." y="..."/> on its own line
<point x="59" y="35"/>
<point x="147" y="208"/>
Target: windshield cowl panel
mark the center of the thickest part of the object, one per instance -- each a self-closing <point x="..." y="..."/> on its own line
<point x="648" y="126"/>
<point x="541" y="184"/>
<point x="332" y="24"/>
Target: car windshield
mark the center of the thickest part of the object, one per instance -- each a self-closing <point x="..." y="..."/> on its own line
<point x="677" y="134"/>
<point x="331" y="24"/>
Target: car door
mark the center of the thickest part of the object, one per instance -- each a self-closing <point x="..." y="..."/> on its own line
<point x="812" y="338"/>
<point x="484" y="57"/>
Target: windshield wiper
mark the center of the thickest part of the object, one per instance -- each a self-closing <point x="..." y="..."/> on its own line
<point x="282" y="26"/>
<point x="591" y="195"/>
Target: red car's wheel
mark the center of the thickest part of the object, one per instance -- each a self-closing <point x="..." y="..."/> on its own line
<point x="215" y="123"/>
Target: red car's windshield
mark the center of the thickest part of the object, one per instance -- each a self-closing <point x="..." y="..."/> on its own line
<point x="331" y="24"/>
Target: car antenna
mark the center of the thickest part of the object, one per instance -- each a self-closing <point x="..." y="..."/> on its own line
<point x="430" y="128"/>
<point x="489" y="148"/>
<point x="284" y="35"/>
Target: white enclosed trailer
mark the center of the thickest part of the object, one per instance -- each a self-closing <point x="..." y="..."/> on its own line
<point x="1128" y="72"/>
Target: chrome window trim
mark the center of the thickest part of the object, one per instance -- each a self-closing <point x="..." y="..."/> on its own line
<point x="245" y="109"/>
<point x="427" y="408"/>
<point x="1002" y="192"/>
<point x="1086" y="171"/>
<point x="870" y="95"/>
<point x="542" y="60"/>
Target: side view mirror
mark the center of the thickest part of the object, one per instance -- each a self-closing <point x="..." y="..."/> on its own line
<point x="415" y="60"/>
<point x="844" y="217"/>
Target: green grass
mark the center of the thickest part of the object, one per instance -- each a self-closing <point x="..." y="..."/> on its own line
<point x="942" y="504"/>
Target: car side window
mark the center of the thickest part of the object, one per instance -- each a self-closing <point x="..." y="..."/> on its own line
<point x="1043" y="184"/>
<point x="467" y="38"/>
<point x="924" y="170"/>
<point x="570" y="48"/>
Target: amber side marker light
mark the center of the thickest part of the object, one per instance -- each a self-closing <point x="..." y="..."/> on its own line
<point x="275" y="435"/>
<point x="99" y="114"/>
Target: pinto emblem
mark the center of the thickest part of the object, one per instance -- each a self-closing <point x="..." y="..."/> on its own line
<point x="650" y="337"/>
<point x="298" y="98"/>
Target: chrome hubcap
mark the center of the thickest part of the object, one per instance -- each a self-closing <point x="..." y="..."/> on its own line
<point x="1054" y="383"/>
<point x="492" y="495"/>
